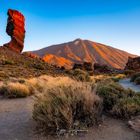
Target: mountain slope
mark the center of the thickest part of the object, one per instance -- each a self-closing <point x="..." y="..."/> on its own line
<point x="57" y="60"/>
<point x="79" y="51"/>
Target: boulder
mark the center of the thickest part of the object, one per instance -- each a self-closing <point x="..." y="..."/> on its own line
<point x="135" y="123"/>
<point x="31" y="55"/>
<point x="87" y="66"/>
<point x="16" y="30"/>
<point x="105" y="69"/>
<point x="133" y="64"/>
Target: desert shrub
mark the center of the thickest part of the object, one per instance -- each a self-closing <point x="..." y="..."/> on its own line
<point x="99" y="78"/>
<point x="137" y="81"/>
<point x="117" y="100"/>
<point x="136" y="75"/>
<point x="15" y="90"/>
<point x="36" y="84"/>
<point x="129" y="72"/>
<point x="63" y="106"/>
<point x="22" y="81"/>
<point x="80" y="75"/>
<point x="45" y="82"/>
<point x="127" y="107"/>
<point x="110" y="92"/>
<point x="115" y="79"/>
<point x="38" y="66"/>
<point x="7" y="62"/>
<point x="118" y="77"/>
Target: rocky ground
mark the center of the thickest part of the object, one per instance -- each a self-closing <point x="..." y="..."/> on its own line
<point x="16" y="124"/>
<point x="134" y="122"/>
<point x="17" y="65"/>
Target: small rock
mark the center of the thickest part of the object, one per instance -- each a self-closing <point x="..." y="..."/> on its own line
<point x="135" y="124"/>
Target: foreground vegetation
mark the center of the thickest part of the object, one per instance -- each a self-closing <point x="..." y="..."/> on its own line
<point x="74" y="103"/>
<point x="15" y="90"/>
<point x="135" y="78"/>
<point x="118" y="101"/>
<point x="67" y="105"/>
<point x="79" y="75"/>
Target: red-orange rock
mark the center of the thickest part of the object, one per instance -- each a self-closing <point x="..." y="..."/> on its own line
<point x="15" y="29"/>
<point x="31" y="55"/>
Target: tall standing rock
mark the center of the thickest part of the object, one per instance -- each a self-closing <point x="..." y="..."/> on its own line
<point x="15" y="29"/>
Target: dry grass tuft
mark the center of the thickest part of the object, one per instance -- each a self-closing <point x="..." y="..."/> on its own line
<point x="102" y="77"/>
<point x="15" y="90"/>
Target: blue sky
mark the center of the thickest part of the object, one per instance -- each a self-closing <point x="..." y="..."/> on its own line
<point x="112" y="22"/>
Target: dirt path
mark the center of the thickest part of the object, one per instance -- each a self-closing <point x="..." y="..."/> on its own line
<point x="16" y="124"/>
<point x="15" y="119"/>
<point x="127" y="84"/>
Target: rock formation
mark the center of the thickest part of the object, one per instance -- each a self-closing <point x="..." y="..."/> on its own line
<point x="135" y="123"/>
<point x="15" y="29"/>
<point x="31" y="55"/>
<point x="87" y="66"/>
<point x="98" y="68"/>
<point x="133" y="64"/>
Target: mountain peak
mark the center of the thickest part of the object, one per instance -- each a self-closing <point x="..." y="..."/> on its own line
<point x="77" y="41"/>
<point x="79" y="51"/>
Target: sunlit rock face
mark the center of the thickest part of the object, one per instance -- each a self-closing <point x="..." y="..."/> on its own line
<point x="16" y="30"/>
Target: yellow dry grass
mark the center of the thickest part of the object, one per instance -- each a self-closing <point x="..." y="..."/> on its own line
<point x="14" y="90"/>
<point x="64" y="102"/>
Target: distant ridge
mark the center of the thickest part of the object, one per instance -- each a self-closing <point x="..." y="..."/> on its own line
<point x="79" y="51"/>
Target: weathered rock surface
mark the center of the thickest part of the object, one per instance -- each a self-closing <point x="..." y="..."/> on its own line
<point x="31" y="55"/>
<point x="98" y="68"/>
<point x="16" y="30"/>
<point x="133" y="64"/>
<point x="135" y="123"/>
<point x="87" y="66"/>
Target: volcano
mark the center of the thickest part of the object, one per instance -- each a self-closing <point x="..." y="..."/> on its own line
<point x="79" y="51"/>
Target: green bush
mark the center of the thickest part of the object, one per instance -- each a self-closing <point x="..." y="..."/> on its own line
<point x="7" y="62"/>
<point x="137" y="81"/>
<point x="127" y="107"/>
<point x="134" y="77"/>
<point x="115" y="79"/>
<point x="38" y="66"/>
<point x="129" y="72"/>
<point x="110" y="92"/>
<point x="80" y="75"/>
<point x="116" y="98"/>
<point x="67" y="107"/>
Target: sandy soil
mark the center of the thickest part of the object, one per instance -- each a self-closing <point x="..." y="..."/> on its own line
<point x="16" y="124"/>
